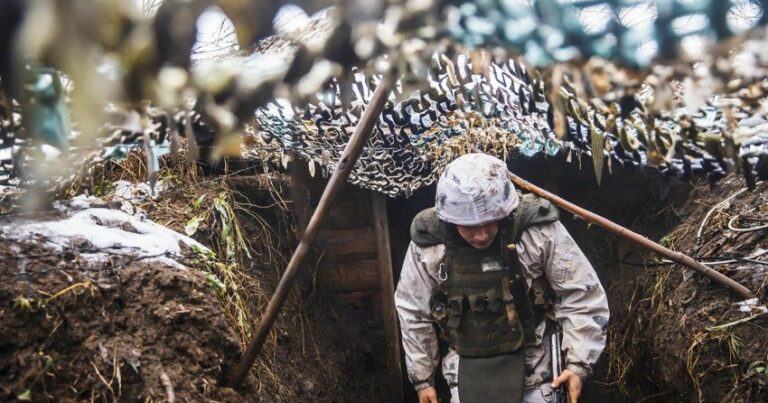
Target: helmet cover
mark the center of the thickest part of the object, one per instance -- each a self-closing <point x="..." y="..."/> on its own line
<point x="475" y="189"/>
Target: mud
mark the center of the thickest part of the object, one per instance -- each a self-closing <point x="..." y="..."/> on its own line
<point x="693" y="361"/>
<point x="73" y="330"/>
<point x="128" y="329"/>
<point x="664" y="340"/>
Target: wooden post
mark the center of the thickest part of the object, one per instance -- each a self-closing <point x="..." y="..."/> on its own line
<point x="298" y="191"/>
<point x="346" y="162"/>
<point x="634" y="237"/>
<point x="387" y="290"/>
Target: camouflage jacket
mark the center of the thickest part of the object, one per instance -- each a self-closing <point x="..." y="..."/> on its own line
<point x="580" y="305"/>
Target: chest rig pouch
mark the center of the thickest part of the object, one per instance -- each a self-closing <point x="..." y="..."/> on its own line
<point x="480" y="319"/>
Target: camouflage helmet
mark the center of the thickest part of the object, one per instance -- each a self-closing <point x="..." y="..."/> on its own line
<point x="475" y="189"/>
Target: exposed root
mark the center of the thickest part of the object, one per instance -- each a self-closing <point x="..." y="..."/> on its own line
<point x="691" y="362"/>
<point x="170" y="395"/>
<point x="679" y="323"/>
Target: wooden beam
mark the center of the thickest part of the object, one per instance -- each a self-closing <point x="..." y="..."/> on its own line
<point x="635" y="238"/>
<point x="299" y="191"/>
<point x="344" y="242"/>
<point x="359" y="138"/>
<point x="352" y="277"/>
<point x="388" y="313"/>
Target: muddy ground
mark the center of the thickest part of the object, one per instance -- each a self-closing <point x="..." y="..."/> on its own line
<point x="135" y="330"/>
<point x="129" y="329"/>
<point x="678" y="337"/>
<point x="72" y="330"/>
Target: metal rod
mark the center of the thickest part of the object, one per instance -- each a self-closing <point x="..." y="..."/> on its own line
<point x="634" y="237"/>
<point x="347" y="161"/>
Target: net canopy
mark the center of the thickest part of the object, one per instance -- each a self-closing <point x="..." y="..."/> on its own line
<point x="605" y="80"/>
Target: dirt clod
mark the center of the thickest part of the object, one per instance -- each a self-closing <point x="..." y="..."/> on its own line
<point x="71" y="333"/>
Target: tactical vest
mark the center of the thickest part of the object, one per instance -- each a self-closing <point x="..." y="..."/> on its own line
<point x="474" y="307"/>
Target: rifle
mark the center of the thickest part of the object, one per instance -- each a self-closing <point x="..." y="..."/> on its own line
<point x="559" y="395"/>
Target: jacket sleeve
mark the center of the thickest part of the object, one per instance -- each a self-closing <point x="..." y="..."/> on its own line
<point x="414" y="290"/>
<point x="580" y="305"/>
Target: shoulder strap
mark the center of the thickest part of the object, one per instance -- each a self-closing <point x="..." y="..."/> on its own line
<point x="533" y="210"/>
<point x="425" y="229"/>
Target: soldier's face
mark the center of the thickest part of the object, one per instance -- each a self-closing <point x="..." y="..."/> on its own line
<point x="479" y="236"/>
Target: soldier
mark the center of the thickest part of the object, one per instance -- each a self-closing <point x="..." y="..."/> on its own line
<point x="494" y="273"/>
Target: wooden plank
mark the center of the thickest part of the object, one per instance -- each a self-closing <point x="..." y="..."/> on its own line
<point x="368" y="301"/>
<point x="387" y="291"/>
<point x="338" y="279"/>
<point x="352" y="212"/>
<point x="348" y="241"/>
<point x="348" y="235"/>
<point x="350" y="259"/>
<point x="370" y="263"/>
<point x="299" y="192"/>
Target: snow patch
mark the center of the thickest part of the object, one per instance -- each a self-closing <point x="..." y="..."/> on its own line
<point x="98" y="232"/>
<point x="125" y="190"/>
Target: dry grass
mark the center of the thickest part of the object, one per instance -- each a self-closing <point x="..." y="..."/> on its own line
<point x="619" y="351"/>
<point x="211" y="212"/>
<point x="701" y="350"/>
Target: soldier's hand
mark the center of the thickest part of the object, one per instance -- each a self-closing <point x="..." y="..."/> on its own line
<point x="428" y="395"/>
<point x="572" y="382"/>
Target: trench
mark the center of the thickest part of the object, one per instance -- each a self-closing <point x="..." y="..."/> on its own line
<point x="639" y="201"/>
<point x="644" y="206"/>
<point x="329" y="342"/>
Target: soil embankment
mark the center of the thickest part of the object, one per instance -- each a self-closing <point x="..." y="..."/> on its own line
<point x="688" y="336"/>
<point x="82" y="318"/>
<point x="674" y="335"/>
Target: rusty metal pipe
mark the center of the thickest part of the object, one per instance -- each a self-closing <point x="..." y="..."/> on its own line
<point x="347" y="161"/>
<point x="634" y="237"/>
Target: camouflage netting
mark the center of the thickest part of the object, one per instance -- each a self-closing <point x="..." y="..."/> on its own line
<point x="466" y="84"/>
<point x="549" y="31"/>
<point x="415" y="137"/>
<point x="479" y="101"/>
